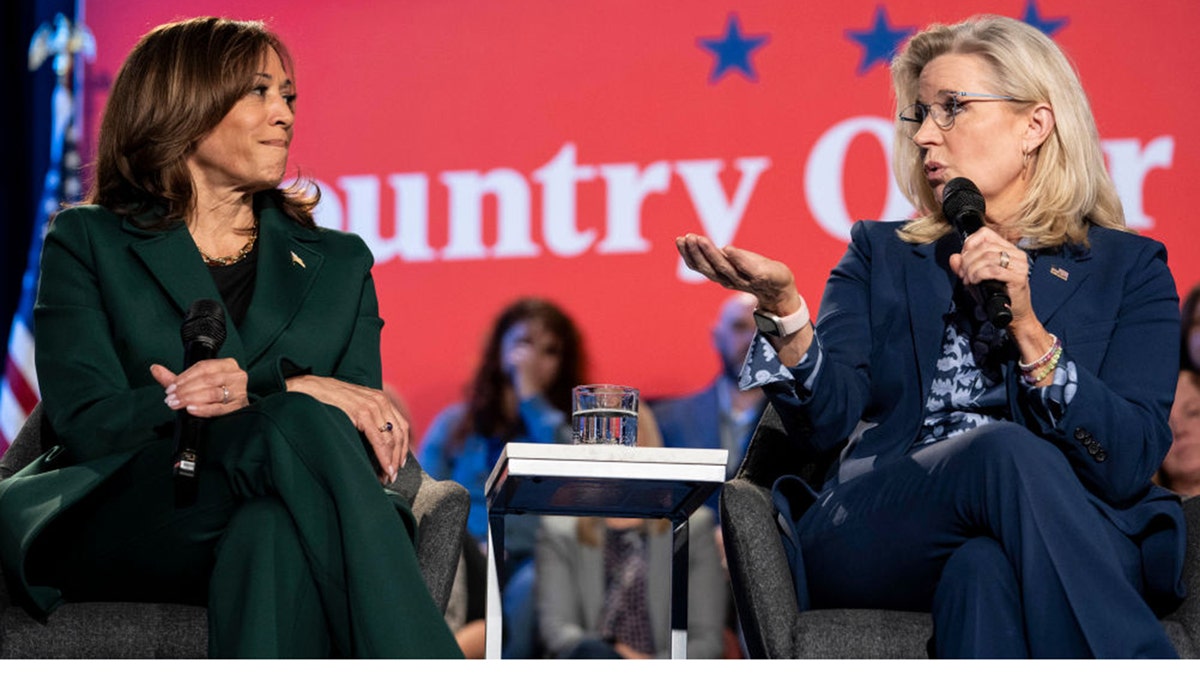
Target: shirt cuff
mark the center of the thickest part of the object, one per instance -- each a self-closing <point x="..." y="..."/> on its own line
<point x="763" y="367"/>
<point x="1050" y="403"/>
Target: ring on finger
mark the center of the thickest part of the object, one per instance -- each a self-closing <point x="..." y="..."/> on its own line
<point x="1004" y="259"/>
<point x="224" y="395"/>
<point x="385" y="428"/>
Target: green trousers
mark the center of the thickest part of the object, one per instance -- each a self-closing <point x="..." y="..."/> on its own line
<point x="293" y="544"/>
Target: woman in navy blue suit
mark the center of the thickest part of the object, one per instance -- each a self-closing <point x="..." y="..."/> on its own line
<point x="996" y="474"/>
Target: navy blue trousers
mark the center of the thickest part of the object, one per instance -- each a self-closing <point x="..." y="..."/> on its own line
<point x="993" y="533"/>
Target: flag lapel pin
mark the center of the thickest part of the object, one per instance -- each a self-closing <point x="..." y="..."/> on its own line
<point x="1056" y="271"/>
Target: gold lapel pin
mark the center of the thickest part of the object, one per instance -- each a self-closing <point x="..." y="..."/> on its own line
<point x="297" y="260"/>
<point x="1056" y="271"/>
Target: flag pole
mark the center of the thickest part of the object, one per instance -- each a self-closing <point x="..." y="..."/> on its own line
<point x="66" y="45"/>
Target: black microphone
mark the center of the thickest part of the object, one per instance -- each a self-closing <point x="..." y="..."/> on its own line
<point x="963" y="206"/>
<point x="203" y="333"/>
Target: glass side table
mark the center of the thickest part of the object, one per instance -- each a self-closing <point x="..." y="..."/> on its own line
<point x="600" y="480"/>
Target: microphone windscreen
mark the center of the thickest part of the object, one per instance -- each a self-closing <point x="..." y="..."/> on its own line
<point x="205" y="322"/>
<point x="959" y="197"/>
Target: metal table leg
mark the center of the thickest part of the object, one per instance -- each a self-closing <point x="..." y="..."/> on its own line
<point x="494" y="615"/>
<point x="679" y="591"/>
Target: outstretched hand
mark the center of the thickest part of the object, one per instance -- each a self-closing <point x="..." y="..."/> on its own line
<point x="770" y="281"/>
<point x="738" y="269"/>
<point x="371" y="411"/>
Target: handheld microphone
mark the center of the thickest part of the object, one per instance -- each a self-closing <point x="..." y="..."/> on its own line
<point x="963" y="206"/>
<point x="203" y="333"/>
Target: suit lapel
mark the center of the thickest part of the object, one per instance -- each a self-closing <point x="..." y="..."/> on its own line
<point x="929" y="284"/>
<point x="172" y="259"/>
<point x="288" y="265"/>
<point x="1055" y="277"/>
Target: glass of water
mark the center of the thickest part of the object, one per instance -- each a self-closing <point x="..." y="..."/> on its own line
<point x="605" y="414"/>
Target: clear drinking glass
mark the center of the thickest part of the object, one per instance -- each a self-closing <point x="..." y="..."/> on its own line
<point x="605" y="414"/>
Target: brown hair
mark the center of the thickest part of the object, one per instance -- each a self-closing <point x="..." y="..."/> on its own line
<point x="1188" y="313"/>
<point x="176" y="85"/>
<point x="485" y="398"/>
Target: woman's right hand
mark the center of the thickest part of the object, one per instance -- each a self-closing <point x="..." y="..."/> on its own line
<point x="522" y="371"/>
<point x="768" y="280"/>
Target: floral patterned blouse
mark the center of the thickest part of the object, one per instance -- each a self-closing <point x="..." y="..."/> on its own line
<point x="968" y="390"/>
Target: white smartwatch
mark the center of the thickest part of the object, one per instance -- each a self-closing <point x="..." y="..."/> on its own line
<point x="781" y="326"/>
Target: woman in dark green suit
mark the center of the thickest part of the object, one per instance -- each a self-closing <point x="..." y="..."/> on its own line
<point x="292" y="542"/>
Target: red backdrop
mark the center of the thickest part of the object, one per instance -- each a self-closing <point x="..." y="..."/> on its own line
<point x="488" y="150"/>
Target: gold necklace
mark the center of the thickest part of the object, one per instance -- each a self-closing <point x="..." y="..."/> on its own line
<point x="225" y="261"/>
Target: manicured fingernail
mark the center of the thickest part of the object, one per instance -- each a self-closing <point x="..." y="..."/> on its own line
<point x="171" y="389"/>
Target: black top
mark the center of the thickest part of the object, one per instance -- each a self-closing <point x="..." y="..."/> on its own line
<point x="236" y="284"/>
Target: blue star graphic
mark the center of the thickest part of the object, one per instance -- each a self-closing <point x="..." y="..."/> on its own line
<point x="881" y="41"/>
<point x="1034" y="18"/>
<point x="733" y="50"/>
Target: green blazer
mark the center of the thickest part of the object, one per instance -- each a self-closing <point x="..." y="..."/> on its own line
<point x="111" y="300"/>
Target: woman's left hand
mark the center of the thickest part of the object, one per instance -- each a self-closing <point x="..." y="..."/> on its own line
<point x="371" y="411"/>
<point x="988" y="256"/>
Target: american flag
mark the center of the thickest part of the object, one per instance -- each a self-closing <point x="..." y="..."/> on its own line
<point x="19" y="391"/>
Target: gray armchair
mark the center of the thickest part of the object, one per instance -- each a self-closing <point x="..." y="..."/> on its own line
<point x="764" y="594"/>
<point x="161" y="630"/>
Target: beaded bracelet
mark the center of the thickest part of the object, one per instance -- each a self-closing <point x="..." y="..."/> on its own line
<point x="1032" y="378"/>
<point x="1055" y="345"/>
<point x="1035" y="372"/>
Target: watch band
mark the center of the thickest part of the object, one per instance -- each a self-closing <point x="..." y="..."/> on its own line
<point x="786" y="325"/>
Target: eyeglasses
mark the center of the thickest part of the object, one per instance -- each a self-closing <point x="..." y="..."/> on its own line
<point x="943" y="113"/>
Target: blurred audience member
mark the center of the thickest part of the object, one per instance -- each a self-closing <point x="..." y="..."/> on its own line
<point x="721" y="415"/>
<point x="397" y="400"/>
<point x="1180" y="471"/>
<point x="521" y="392"/>
<point x="603" y="588"/>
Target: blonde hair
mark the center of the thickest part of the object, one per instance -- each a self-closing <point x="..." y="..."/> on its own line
<point x="1070" y="188"/>
<point x="590" y="529"/>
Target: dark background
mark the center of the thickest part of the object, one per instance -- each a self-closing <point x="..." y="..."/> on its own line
<point x="25" y="144"/>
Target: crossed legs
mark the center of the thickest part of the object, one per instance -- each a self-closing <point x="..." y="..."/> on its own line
<point x="886" y="539"/>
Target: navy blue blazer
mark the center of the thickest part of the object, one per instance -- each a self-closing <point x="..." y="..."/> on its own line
<point x="1113" y="304"/>
<point x="691" y="421"/>
<point x="694" y="421"/>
